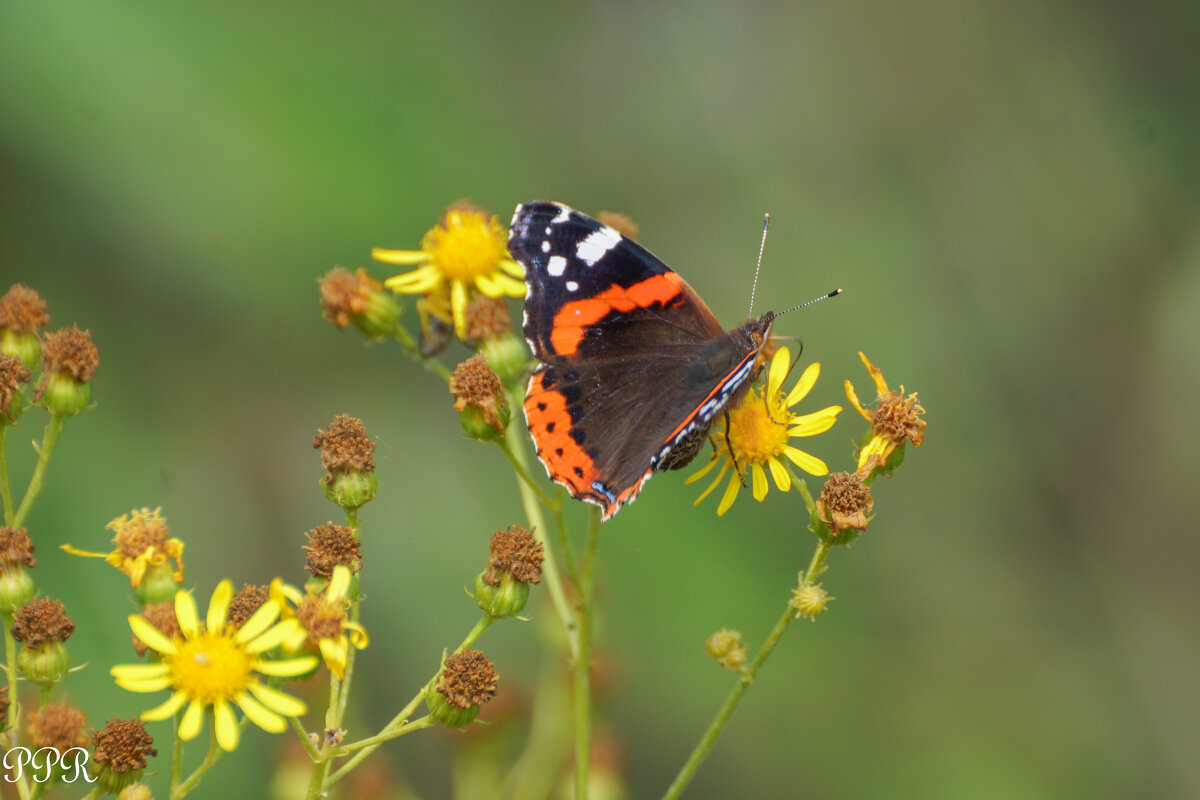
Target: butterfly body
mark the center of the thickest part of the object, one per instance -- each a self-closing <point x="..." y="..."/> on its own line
<point x="634" y="366"/>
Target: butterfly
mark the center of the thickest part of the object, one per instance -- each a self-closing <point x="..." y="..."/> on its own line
<point x="634" y="368"/>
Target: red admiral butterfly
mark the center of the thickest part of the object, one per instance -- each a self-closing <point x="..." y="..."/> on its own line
<point x="634" y="367"/>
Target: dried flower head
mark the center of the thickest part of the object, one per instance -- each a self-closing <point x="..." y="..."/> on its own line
<point x="345" y="447"/>
<point x="896" y="419"/>
<point x="248" y="600"/>
<point x="515" y="551"/>
<point x="22" y="310"/>
<point x="330" y="545"/>
<point x="58" y="725"/>
<point x="475" y="386"/>
<point x="16" y="548"/>
<point x="357" y="298"/>
<point x="487" y="318"/>
<point x="845" y="501"/>
<point x="144" y="550"/>
<point x="468" y="679"/>
<point x="70" y="351"/>
<point x="621" y="223"/>
<point x="120" y="751"/>
<point x="13" y="373"/>
<point x="161" y="616"/>
<point x="41" y="621"/>
<point x="4" y="704"/>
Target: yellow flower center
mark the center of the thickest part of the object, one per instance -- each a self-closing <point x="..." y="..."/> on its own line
<point x="210" y="667"/>
<point x="756" y="434"/>
<point x="466" y="245"/>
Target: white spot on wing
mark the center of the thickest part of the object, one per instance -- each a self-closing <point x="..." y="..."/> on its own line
<point x="546" y="246"/>
<point x="599" y="242"/>
<point x="572" y="286"/>
<point x="556" y="266"/>
<point x="563" y="214"/>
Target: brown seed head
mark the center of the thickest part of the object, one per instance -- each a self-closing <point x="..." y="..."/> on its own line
<point x="243" y="605"/>
<point x="345" y="447"/>
<point x="41" y="621"/>
<point x="123" y="745"/>
<point x="619" y="222"/>
<point x="898" y="418"/>
<point x="514" y="550"/>
<point x="22" y="309"/>
<point x="58" y="725"/>
<point x="330" y="545"/>
<point x="138" y="531"/>
<point x="13" y="373"/>
<point x="321" y="619"/>
<point x="4" y="704"/>
<point x="475" y="385"/>
<point x="71" y="351"/>
<point x="467" y="679"/>
<point x="162" y="616"/>
<point x="845" y="501"/>
<point x="345" y="294"/>
<point x="15" y="548"/>
<point x="486" y="318"/>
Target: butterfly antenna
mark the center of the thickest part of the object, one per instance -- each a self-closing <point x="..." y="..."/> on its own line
<point x="834" y="293"/>
<point x="761" y="246"/>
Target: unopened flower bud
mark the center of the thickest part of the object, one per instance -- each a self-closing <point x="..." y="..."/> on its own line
<point x="726" y="648"/>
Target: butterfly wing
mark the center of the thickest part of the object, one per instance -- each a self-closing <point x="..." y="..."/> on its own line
<point x="632" y="359"/>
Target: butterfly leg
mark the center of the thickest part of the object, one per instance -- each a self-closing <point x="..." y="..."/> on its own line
<point x="736" y="466"/>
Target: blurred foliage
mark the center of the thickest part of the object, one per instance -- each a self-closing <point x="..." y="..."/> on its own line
<point x="1006" y="191"/>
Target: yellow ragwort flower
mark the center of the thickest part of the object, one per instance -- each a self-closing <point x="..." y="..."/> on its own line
<point x="759" y="430"/>
<point x="142" y="541"/>
<point x="896" y="418"/>
<point x="468" y="250"/>
<point x="323" y="620"/>
<point x="214" y="664"/>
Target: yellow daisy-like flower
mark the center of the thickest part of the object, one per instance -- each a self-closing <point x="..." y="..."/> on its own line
<point x="896" y="418"/>
<point x="468" y="250"/>
<point x="213" y="664"/>
<point x="323" y="620"/>
<point x="759" y="430"/>
<point x="142" y="541"/>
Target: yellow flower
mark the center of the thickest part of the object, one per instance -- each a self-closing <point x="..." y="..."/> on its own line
<point x="213" y="664"/>
<point x="896" y="418"/>
<point x="141" y="542"/>
<point x="323" y="620"/>
<point x="467" y="249"/>
<point x="759" y="430"/>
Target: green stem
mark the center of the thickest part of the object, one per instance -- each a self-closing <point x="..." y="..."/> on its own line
<point x="352" y="519"/>
<point x="44" y="693"/>
<point x="14" y="710"/>
<point x="305" y="741"/>
<point x="426" y="721"/>
<point x="515" y="450"/>
<point x="398" y="722"/>
<point x="210" y="758"/>
<point x="405" y="338"/>
<point x="176" y="756"/>
<point x="689" y="768"/>
<point x="583" y="659"/>
<point x="96" y="792"/>
<point x="53" y="427"/>
<point x="5" y="493"/>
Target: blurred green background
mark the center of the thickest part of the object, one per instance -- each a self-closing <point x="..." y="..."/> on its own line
<point x="1006" y="191"/>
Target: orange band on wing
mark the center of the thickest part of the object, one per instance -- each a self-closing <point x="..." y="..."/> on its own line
<point x="575" y="316"/>
<point x="550" y="424"/>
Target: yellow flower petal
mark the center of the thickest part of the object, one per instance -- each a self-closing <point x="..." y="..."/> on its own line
<point x="401" y="258"/>
<point x="714" y="484"/>
<point x="783" y="478"/>
<point x="226" y="726"/>
<point x="218" y="606"/>
<point x="778" y="371"/>
<point x="151" y="636"/>
<point x="458" y="307"/>
<point x="852" y="396"/>
<point x="259" y="714"/>
<point x="334" y="653"/>
<point x="808" y="379"/>
<point x="139" y="672"/>
<point x="731" y="493"/>
<point x="695" y="476"/>
<point x="145" y="684"/>
<point x="513" y="268"/>
<point x="814" y="423"/>
<point x="287" y="667"/>
<point x="810" y="464"/>
<point x="338" y="584"/>
<point x="497" y="284"/>
<point x="75" y="551"/>
<point x="280" y="591"/>
<point x="278" y="701"/>
<point x="274" y="636"/>
<point x="167" y="709"/>
<point x="420" y="281"/>
<point x="258" y="623"/>
<point x="758" y="481"/>
<point x="358" y="635"/>
<point x="881" y="386"/>
<point x="186" y="614"/>
<point x="878" y="446"/>
<point x="192" y="720"/>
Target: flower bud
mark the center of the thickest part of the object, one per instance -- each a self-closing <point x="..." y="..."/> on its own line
<point x="507" y="355"/>
<point x="726" y="648"/>
<point x="504" y="600"/>
<point x="69" y="361"/>
<point x="357" y="298"/>
<point x="16" y="557"/>
<point x="347" y="455"/>
<point x="42" y="626"/>
<point x="809" y="600"/>
<point x="13" y="373"/>
<point x="22" y="312"/>
<point x="119" y="752"/>
<point x="479" y="400"/>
